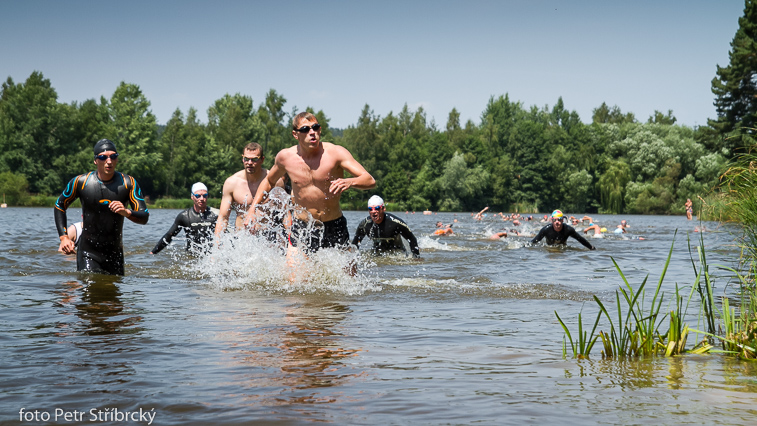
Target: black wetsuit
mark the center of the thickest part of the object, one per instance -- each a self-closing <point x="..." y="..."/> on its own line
<point x="554" y="237"/>
<point x="333" y="233"/>
<point x="387" y="235"/>
<point x="198" y="228"/>
<point x="101" y="245"/>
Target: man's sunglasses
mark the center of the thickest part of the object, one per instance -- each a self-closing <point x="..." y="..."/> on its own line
<point x="251" y="159"/>
<point x="200" y="195"/>
<point x="103" y="157"/>
<point x="374" y="209"/>
<point x="306" y="129"/>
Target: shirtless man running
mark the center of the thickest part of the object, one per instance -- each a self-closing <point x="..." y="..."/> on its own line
<point x="316" y="170"/>
<point x="239" y="189"/>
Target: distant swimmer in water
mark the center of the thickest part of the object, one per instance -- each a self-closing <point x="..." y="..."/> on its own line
<point x="198" y="223"/>
<point x="621" y="228"/>
<point x="385" y="229"/>
<point x="104" y="194"/>
<point x="239" y="188"/>
<point x="593" y="226"/>
<point x="503" y="234"/>
<point x="447" y="230"/>
<point x="480" y="215"/>
<point x="558" y="233"/>
<point x="689" y="208"/>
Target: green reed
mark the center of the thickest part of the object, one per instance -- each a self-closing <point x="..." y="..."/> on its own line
<point x="635" y="330"/>
<point x="581" y="347"/>
<point x="739" y="327"/>
<point x="703" y="285"/>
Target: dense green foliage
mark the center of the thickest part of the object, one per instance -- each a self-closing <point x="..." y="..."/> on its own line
<point x="517" y="158"/>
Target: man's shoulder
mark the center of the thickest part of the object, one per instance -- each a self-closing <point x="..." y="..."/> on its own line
<point x="333" y="149"/>
<point x="235" y="179"/>
<point x="395" y="219"/>
<point x="287" y="152"/>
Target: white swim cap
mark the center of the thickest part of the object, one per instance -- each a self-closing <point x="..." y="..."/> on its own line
<point x="375" y="201"/>
<point x="199" y="186"/>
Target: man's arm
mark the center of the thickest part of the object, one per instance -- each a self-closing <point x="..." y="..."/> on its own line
<point x="360" y="179"/>
<point x="412" y="240"/>
<point x="271" y="179"/>
<point x="581" y="239"/>
<point x="225" y="211"/>
<point x="64" y="200"/>
<point x="138" y="212"/>
<point x="540" y="235"/>
<point x="359" y="233"/>
<point x="166" y="239"/>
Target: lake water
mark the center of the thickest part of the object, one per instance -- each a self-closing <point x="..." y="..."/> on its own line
<point x="467" y="335"/>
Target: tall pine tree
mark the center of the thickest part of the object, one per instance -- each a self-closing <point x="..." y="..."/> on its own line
<point x="735" y="86"/>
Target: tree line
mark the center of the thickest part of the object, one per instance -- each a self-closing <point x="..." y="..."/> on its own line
<point x="516" y="158"/>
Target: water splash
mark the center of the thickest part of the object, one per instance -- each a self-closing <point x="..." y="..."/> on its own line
<point x="266" y="260"/>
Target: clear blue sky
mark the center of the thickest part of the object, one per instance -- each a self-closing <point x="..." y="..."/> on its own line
<point x="338" y="56"/>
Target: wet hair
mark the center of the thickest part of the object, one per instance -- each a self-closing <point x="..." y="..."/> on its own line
<point x="253" y="146"/>
<point x="302" y="116"/>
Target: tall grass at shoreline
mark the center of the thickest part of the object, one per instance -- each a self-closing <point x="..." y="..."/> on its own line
<point x="637" y="332"/>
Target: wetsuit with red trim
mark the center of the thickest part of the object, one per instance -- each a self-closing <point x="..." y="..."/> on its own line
<point x="101" y="244"/>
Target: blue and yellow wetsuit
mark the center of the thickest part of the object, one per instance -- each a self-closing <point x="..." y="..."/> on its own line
<point x="101" y="244"/>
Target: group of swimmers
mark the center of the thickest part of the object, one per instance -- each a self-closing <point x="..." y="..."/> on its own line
<point x="313" y="173"/>
<point x="313" y="170"/>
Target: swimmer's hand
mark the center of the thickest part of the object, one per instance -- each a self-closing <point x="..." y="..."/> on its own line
<point x="118" y="208"/>
<point x="593" y="248"/>
<point x="66" y="245"/>
<point x="340" y="185"/>
<point x="250" y="220"/>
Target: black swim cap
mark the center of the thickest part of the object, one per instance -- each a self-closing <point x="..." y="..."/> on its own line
<point x="104" y="145"/>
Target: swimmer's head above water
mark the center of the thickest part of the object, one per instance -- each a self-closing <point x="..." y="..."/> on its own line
<point x="200" y="196"/>
<point x="376" y="209"/>
<point x="557" y="218"/>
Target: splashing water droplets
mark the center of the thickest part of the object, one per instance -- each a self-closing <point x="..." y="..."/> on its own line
<point x="265" y="260"/>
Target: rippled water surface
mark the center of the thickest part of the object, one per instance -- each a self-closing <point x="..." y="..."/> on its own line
<point x="467" y="335"/>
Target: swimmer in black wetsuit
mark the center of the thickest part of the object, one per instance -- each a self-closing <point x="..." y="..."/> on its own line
<point x="103" y="194"/>
<point x="385" y="229"/>
<point x="558" y="233"/>
<point x="198" y="223"/>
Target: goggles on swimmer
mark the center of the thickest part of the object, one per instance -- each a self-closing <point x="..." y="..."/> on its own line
<point x="103" y="157"/>
<point x="200" y="195"/>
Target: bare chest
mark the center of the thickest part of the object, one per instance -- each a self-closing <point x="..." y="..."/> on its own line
<point x="317" y="172"/>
